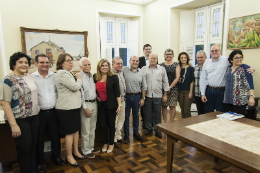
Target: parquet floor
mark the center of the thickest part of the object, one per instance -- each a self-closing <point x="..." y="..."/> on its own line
<point x="148" y="156"/>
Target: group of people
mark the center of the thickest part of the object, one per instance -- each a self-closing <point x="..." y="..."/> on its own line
<point x="65" y="103"/>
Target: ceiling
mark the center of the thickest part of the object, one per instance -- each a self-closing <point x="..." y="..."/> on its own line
<point x="141" y="2"/>
<point x="197" y="3"/>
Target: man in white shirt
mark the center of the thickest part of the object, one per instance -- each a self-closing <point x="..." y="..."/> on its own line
<point x="47" y="96"/>
<point x="88" y="111"/>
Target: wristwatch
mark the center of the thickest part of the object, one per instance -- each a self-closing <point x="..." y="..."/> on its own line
<point x="143" y="98"/>
<point x="252" y="95"/>
<point x="120" y="105"/>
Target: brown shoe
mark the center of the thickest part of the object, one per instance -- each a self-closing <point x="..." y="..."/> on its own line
<point x="116" y="145"/>
<point x="120" y="141"/>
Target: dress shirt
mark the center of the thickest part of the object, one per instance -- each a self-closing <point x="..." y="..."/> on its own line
<point x="122" y="85"/>
<point x="213" y="73"/>
<point x="47" y="92"/>
<point x="157" y="81"/>
<point x="88" y="89"/>
<point x="135" y="81"/>
<point x="147" y="62"/>
<point x="197" y="73"/>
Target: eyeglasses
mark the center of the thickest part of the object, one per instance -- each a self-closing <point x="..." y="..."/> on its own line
<point x="238" y="58"/>
<point x="147" y="49"/>
<point x="44" y="62"/>
<point x="69" y="61"/>
<point x="168" y="54"/>
<point x="214" y="51"/>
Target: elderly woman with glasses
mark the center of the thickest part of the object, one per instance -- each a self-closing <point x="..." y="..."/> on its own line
<point x="68" y="106"/>
<point x="239" y="91"/>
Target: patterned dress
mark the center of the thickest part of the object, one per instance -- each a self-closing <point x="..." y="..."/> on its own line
<point x="238" y="85"/>
<point x="172" y="97"/>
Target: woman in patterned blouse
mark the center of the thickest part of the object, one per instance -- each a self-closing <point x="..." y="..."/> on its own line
<point x="19" y="100"/>
<point x="239" y="91"/>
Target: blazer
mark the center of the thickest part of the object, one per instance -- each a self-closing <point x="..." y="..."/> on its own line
<point x="113" y="91"/>
<point x="69" y="95"/>
<point x="142" y="62"/>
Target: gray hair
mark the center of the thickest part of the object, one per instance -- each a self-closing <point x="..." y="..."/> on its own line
<point x="133" y="56"/>
<point x="168" y="50"/>
<point x="202" y="51"/>
<point x="116" y="57"/>
<point x="153" y="54"/>
<point x="81" y="61"/>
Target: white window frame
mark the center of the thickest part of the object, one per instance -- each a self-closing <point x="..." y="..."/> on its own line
<point x="113" y="31"/>
<point x="120" y="33"/>
<point x="221" y="17"/>
<point x="205" y="18"/>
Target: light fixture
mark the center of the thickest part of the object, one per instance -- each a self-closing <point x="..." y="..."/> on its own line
<point x="141" y="2"/>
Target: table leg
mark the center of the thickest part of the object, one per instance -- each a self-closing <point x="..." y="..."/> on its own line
<point x="170" y="149"/>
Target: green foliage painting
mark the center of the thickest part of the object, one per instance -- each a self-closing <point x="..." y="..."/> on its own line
<point x="244" y="32"/>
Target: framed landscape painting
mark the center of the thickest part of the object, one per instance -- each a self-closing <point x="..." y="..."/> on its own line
<point x="53" y="43"/>
<point x="244" y="32"/>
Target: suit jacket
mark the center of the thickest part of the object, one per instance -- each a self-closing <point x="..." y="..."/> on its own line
<point x="142" y="62"/>
<point x="113" y="91"/>
<point x="69" y="95"/>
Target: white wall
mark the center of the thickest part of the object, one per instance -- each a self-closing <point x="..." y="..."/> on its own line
<point x="77" y="15"/>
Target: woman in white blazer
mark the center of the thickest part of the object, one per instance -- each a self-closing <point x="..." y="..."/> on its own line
<point x="68" y="106"/>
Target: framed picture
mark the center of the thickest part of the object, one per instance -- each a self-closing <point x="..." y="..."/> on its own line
<point x="244" y="32"/>
<point x="53" y="43"/>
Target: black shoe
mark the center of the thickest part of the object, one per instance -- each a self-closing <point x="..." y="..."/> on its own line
<point x="120" y="141"/>
<point x="96" y="151"/>
<point x="90" y="156"/>
<point x="58" y="161"/>
<point x="75" y="164"/>
<point x="143" y="126"/>
<point x="116" y="145"/>
<point x="81" y="158"/>
<point x="137" y="136"/>
<point x="158" y="134"/>
<point x="126" y="139"/>
<point x="40" y="169"/>
<point x="148" y="132"/>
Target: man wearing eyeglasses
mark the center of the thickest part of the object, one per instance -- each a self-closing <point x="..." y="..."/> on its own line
<point x="47" y="96"/>
<point x="212" y="80"/>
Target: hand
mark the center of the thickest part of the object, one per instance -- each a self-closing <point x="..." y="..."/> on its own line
<point x="164" y="98"/>
<point x="251" y="101"/>
<point x="204" y="98"/>
<point x="16" y="131"/>
<point x="99" y="99"/>
<point x="250" y="70"/>
<point x="87" y="112"/>
<point x="118" y="110"/>
<point x="190" y="95"/>
<point x="77" y="76"/>
<point x="141" y="103"/>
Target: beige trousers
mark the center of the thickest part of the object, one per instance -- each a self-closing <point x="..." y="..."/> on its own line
<point x="120" y="119"/>
<point x="185" y="103"/>
<point x="88" y="127"/>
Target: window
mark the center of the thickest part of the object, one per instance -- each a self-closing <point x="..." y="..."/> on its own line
<point x="110" y="32"/>
<point x="216" y="22"/>
<point x="48" y="51"/>
<point x="37" y="52"/>
<point x="122" y="29"/>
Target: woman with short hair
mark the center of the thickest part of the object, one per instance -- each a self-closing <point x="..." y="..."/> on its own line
<point x="68" y="106"/>
<point x="239" y="90"/>
<point x="19" y="100"/>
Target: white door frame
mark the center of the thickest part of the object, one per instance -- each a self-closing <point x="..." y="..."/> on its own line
<point x="2" y="46"/>
<point x="116" y="13"/>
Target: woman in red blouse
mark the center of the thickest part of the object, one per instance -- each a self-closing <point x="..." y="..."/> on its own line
<point x="109" y="102"/>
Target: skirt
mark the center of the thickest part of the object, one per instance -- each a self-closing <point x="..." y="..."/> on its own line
<point x="172" y="97"/>
<point x="69" y="120"/>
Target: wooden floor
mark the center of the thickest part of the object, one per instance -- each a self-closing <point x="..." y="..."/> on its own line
<point x="146" y="156"/>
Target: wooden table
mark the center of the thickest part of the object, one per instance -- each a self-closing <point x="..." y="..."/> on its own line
<point x="237" y="156"/>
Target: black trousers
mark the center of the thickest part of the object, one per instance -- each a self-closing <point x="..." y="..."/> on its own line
<point x="200" y="105"/>
<point x="26" y="143"/>
<point x="48" y="119"/>
<point x="106" y="119"/>
<point x="237" y="109"/>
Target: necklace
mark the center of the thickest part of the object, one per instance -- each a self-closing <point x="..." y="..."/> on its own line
<point x="183" y="77"/>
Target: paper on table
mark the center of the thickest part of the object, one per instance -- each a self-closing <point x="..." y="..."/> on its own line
<point x="230" y="116"/>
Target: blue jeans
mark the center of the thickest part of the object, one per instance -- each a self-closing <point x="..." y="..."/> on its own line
<point x="132" y="102"/>
<point x="215" y="100"/>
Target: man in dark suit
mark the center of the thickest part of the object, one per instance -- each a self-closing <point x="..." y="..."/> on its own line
<point x="143" y="61"/>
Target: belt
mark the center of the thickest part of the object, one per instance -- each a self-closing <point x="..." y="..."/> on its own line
<point x="216" y="88"/>
<point x="47" y="110"/>
<point x="132" y="94"/>
<point x="90" y="100"/>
